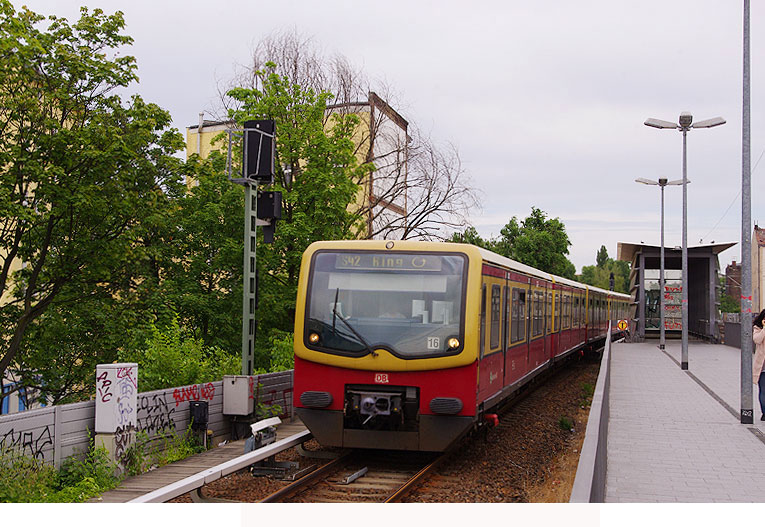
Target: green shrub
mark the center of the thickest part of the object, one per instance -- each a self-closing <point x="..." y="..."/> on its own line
<point x="147" y="452"/>
<point x="282" y="351"/>
<point x="172" y="358"/>
<point x="565" y="423"/>
<point x="587" y="391"/>
<point x="24" y="479"/>
<point x="28" y="480"/>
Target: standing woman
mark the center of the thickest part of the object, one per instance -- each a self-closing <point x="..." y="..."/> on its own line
<point x="758" y="375"/>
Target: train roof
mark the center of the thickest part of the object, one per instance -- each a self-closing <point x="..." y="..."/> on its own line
<point x="512" y="264"/>
<point x="487" y="255"/>
<point x="532" y="271"/>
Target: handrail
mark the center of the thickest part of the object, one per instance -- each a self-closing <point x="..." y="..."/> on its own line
<point x="590" y="482"/>
<point x="209" y="475"/>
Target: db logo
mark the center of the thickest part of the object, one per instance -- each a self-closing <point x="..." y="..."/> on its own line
<point x="381" y="378"/>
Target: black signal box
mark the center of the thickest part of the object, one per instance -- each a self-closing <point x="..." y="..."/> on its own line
<point x="269" y="205"/>
<point x="258" y="151"/>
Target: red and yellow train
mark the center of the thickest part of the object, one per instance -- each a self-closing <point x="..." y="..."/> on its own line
<point x="409" y="345"/>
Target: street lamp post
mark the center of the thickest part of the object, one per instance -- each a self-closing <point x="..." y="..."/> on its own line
<point x="685" y="123"/>
<point x="662" y="182"/>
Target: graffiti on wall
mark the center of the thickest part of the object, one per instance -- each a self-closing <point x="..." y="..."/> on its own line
<point x="116" y="391"/>
<point x="127" y="387"/>
<point x="155" y="415"/>
<point x="104" y="385"/>
<point x="195" y="392"/>
<point x="28" y="443"/>
<point x="124" y="437"/>
<point x="270" y="398"/>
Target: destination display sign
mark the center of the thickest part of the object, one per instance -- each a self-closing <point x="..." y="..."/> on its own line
<point x="392" y="262"/>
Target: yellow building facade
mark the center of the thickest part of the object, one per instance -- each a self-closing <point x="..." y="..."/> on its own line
<point x="380" y="138"/>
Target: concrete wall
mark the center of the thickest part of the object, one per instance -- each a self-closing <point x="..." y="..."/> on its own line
<point x="55" y="433"/>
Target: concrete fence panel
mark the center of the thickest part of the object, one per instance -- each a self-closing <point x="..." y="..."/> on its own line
<point x="54" y="433"/>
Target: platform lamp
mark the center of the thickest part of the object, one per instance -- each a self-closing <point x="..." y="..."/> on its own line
<point x="684" y="124"/>
<point x="662" y="182"/>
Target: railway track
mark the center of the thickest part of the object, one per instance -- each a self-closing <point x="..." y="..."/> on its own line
<point x="361" y="477"/>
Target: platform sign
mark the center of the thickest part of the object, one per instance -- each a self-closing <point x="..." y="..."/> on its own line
<point x="622" y="325"/>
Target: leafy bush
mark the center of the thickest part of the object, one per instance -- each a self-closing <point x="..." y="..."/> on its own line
<point x="147" y="452"/>
<point x="179" y="447"/>
<point x="282" y="351"/>
<point x="172" y="358"/>
<point x="28" y="480"/>
<point x="24" y="479"/>
<point x="94" y="465"/>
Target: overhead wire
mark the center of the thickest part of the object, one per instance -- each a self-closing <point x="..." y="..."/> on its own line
<point x="734" y="200"/>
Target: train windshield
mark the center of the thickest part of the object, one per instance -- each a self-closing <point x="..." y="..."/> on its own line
<point x="409" y="304"/>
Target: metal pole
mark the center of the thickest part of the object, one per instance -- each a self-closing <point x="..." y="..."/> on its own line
<point x="684" y="356"/>
<point x="747" y="412"/>
<point x="250" y="277"/>
<point x="661" y="276"/>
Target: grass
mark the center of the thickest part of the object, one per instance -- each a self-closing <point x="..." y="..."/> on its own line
<point x="565" y="423"/>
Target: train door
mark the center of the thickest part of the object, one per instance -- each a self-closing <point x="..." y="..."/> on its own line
<point x="549" y="318"/>
<point x="587" y="316"/>
<point x="517" y="309"/>
<point x="491" y="366"/>
<point x="537" y="334"/>
<point x="482" y="342"/>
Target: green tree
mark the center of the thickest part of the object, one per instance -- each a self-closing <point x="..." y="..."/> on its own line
<point x="315" y="170"/>
<point x="602" y="257"/>
<point x="600" y="275"/>
<point x="537" y="241"/>
<point x="728" y="304"/>
<point x="172" y="358"/>
<point x="83" y="174"/>
<point x="470" y="236"/>
<point x="203" y="280"/>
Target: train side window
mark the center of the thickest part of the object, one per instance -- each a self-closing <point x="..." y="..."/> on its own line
<point x="536" y="312"/>
<point x="548" y="311"/>
<point x="558" y="300"/>
<point x="566" y="312"/>
<point x="496" y="296"/>
<point x="575" y="306"/>
<point x="518" y="331"/>
<point x="506" y="323"/>
<point x="515" y="318"/>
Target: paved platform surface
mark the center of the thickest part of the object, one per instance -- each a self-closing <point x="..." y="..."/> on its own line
<point x="135" y="486"/>
<point x="676" y="436"/>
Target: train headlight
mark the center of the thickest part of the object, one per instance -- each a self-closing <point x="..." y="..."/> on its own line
<point x="453" y="343"/>
<point x="313" y="338"/>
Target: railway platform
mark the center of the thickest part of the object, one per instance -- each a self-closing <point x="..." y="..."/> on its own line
<point x="676" y="436"/>
<point x="136" y="487"/>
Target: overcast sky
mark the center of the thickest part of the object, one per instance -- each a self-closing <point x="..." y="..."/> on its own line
<point x="545" y="101"/>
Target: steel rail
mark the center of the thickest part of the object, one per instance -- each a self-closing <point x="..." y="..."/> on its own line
<point x="298" y="485"/>
<point x="415" y="480"/>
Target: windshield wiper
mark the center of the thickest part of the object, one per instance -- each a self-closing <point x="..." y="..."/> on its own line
<point x="337" y="315"/>
<point x="334" y="310"/>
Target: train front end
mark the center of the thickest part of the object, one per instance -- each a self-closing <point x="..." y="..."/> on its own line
<point x="384" y="356"/>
